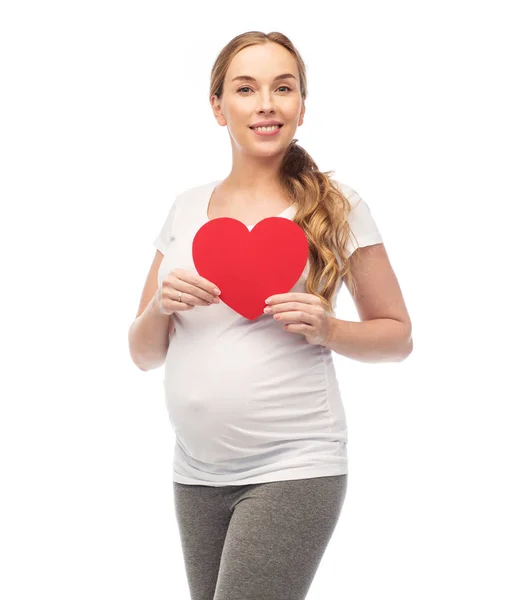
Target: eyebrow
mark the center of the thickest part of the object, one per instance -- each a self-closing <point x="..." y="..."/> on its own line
<point x="249" y="78"/>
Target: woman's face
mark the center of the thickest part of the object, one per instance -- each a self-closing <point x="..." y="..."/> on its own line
<point x="246" y="102"/>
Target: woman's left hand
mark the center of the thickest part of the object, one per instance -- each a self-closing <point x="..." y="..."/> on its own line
<point x="301" y="313"/>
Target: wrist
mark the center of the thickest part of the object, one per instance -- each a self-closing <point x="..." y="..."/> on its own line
<point x="154" y="308"/>
<point x="332" y="329"/>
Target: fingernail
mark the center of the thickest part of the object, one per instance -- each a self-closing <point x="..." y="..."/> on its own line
<point x="216" y="291"/>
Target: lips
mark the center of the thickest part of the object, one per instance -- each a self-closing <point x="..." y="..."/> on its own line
<point x="266" y="125"/>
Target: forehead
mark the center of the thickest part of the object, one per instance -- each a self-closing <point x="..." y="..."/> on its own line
<point x="263" y="62"/>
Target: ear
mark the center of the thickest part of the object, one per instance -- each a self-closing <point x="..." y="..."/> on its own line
<point x="216" y="109"/>
<point x="301" y="119"/>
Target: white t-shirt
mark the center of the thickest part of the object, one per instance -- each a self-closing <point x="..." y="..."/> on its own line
<point x="248" y="401"/>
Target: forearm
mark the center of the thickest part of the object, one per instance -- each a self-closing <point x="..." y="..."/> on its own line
<point x="148" y="338"/>
<point x="378" y="340"/>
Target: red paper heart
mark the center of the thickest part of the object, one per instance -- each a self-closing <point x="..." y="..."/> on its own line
<point x="249" y="266"/>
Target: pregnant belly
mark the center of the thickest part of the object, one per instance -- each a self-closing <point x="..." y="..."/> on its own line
<point x="245" y="404"/>
<point x="215" y="427"/>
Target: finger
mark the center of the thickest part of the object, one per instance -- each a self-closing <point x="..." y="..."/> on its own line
<point x="177" y="292"/>
<point x="293" y="297"/>
<point x="191" y="293"/>
<point x="197" y="285"/>
<point x="296" y="327"/>
<point x="200" y="293"/>
<point x="206" y="285"/>
<point x="288" y="306"/>
<point x="296" y="316"/>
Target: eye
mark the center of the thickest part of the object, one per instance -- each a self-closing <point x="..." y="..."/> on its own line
<point x="248" y="88"/>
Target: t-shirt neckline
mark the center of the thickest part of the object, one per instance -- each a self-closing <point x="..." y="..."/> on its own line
<point x="210" y="191"/>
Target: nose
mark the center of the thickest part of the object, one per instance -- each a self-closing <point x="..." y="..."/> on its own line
<point x="266" y="102"/>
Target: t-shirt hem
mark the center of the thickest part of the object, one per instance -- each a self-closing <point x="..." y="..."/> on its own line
<point x="281" y="475"/>
<point x="365" y="241"/>
<point x="160" y="246"/>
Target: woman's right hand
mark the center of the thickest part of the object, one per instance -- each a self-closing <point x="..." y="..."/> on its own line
<point x="197" y="291"/>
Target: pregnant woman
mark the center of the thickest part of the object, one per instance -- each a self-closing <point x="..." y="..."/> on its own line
<point x="260" y="462"/>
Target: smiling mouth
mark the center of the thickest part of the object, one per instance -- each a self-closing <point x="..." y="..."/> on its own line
<point x="267" y="126"/>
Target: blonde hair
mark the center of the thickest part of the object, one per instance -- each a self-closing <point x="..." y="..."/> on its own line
<point x="322" y="209"/>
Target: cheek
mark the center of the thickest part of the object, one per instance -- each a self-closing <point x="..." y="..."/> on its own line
<point x="294" y="105"/>
<point x="239" y="109"/>
<point x="236" y="114"/>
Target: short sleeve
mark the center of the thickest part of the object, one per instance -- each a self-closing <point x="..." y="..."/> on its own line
<point x="164" y="237"/>
<point x="364" y="230"/>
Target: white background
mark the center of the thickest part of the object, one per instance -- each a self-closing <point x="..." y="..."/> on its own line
<point x="105" y="117"/>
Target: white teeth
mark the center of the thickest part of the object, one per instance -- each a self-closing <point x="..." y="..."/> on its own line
<point x="272" y="128"/>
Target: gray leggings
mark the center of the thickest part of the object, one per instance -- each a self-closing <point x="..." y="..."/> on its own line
<point x="261" y="541"/>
